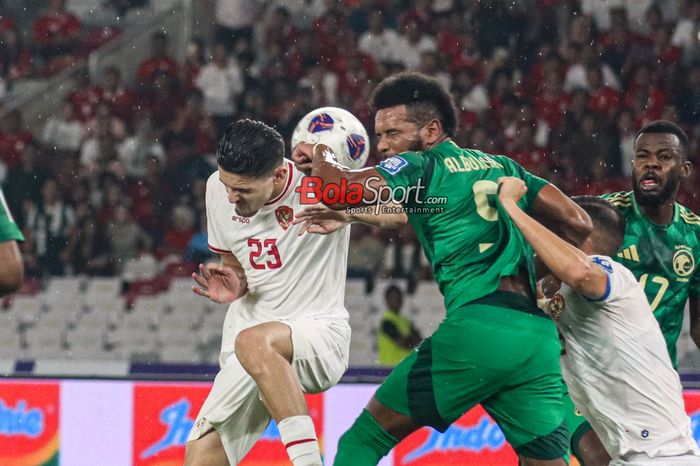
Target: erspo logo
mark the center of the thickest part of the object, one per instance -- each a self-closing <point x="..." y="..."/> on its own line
<point x="473" y="439"/>
<point x="29" y="420"/>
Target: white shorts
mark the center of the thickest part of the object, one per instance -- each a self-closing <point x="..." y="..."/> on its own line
<point x="643" y="460"/>
<point x="234" y="407"/>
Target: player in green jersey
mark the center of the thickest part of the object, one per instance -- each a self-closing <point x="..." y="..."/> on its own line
<point x="11" y="270"/>
<point x="661" y="248"/>
<point x="494" y="346"/>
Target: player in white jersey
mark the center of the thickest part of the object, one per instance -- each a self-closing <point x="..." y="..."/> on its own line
<point x="614" y="357"/>
<point x="286" y="331"/>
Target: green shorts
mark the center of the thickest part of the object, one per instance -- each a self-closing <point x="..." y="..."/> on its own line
<point x="490" y="353"/>
<point x="576" y="424"/>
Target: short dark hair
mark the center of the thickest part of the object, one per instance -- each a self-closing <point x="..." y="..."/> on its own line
<point x="250" y="148"/>
<point x="424" y="97"/>
<point x="392" y="289"/>
<point x="608" y="223"/>
<point x="666" y="127"/>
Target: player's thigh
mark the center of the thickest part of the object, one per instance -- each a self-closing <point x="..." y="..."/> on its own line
<point x="584" y="443"/>
<point x="530" y="410"/>
<point x="234" y="410"/>
<point x="443" y="378"/>
<point x="206" y="451"/>
<point x="320" y="352"/>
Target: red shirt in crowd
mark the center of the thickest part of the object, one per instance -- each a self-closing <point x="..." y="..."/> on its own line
<point x="11" y="145"/>
<point x="148" y="68"/>
<point x="49" y="27"/>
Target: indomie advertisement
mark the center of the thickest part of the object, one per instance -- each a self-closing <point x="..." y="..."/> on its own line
<point x="29" y="423"/>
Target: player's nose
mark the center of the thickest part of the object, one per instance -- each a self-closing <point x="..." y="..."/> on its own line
<point x="233" y="198"/>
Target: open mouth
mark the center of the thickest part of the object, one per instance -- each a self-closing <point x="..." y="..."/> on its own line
<point x="649" y="182"/>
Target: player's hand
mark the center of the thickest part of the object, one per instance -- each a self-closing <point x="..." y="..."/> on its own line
<point x="511" y="188"/>
<point x="217" y="282"/>
<point x="302" y="156"/>
<point x="320" y="219"/>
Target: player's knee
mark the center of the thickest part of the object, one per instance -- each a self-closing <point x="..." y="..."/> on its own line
<point x="251" y="346"/>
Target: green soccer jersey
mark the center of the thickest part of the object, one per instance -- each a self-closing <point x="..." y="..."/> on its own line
<point x="663" y="258"/>
<point x="455" y="213"/>
<point x="8" y="228"/>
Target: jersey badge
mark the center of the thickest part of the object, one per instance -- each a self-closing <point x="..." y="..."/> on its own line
<point x="393" y="164"/>
<point x="284" y="215"/>
<point x="556" y="307"/>
<point x="683" y="261"/>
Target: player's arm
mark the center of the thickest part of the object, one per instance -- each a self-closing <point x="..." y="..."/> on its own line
<point x="222" y="283"/>
<point x="12" y="270"/>
<point x="565" y="261"/>
<point x="324" y="166"/>
<point x="322" y="220"/>
<point x="562" y="215"/>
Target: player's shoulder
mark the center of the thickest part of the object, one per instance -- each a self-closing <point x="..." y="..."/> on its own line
<point x="622" y="200"/>
<point x="688" y="217"/>
<point x="618" y="273"/>
<point x="215" y="188"/>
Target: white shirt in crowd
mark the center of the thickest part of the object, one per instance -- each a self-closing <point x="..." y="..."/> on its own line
<point x="221" y="87"/>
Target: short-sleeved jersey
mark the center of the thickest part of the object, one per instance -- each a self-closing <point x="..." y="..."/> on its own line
<point x="469" y="242"/>
<point x="289" y="276"/>
<point x="618" y="371"/>
<point x="665" y="259"/>
<point x="9" y="231"/>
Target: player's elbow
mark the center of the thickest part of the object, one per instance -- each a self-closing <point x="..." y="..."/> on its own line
<point x="578" y="227"/>
<point x="394" y="221"/>
<point x="11" y="278"/>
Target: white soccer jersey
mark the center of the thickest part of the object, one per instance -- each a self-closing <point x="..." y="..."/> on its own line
<point x="289" y="276"/>
<point x="618" y="371"/>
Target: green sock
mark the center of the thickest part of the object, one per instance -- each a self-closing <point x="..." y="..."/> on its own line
<point x="364" y="444"/>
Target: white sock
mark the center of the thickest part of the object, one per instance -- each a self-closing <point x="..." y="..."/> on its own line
<point x="299" y="438"/>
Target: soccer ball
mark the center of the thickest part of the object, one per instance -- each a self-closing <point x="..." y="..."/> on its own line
<point x="338" y="129"/>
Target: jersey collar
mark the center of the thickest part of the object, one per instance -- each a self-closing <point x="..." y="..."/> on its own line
<point x="638" y="211"/>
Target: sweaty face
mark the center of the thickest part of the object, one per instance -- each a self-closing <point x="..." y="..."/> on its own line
<point x="248" y="193"/>
<point x="657" y="167"/>
<point x="395" y="133"/>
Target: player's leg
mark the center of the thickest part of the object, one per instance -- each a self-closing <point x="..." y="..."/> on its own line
<point x="383" y="423"/>
<point x="207" y="450"/>
<point x="283" y="359"/>
<point x="585" y="444"/>
<point x="230" y="421"/>
<point x="527" y="404"/>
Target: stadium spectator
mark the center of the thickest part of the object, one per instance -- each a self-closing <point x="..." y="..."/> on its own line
<point x="366" y="260"/>
<point x="49" y="223"/>
<point x="126" y="237"/>
<point x="379" y="42"/>
<point x="135" y="151"/>
<point x="65" y="132"/>
<point x="159" y="61"/>
<point x="15" y="58"/>
<point x="13" y="137"/>
<point x="122" y="99"/>
<point x="221" y="82"/>
<point x="412" y="43"/>
<point x="234" y="23"/>
<point x="88" y="250"/>
<point x="397" y="334"/>
<point x="56" y="33"/>
<point x="24" y="181"/>
<point x="180" y="232"/>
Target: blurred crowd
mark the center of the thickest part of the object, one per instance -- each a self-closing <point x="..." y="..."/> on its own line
<point x="114" y="183"/>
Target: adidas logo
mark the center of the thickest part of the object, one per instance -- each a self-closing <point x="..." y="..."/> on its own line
<point x="629" y="253"/>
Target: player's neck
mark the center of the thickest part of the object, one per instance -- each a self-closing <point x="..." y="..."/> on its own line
<point x="659" y="214"/>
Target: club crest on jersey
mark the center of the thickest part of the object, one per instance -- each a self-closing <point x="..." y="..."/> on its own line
<point x="556" y="306"/>
<point x="683" y="261"/>
<point x="284" y="215"/>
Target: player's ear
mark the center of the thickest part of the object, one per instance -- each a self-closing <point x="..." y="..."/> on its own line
<point x="431" y="132"/>
<point x="281" y="173"/>
<point x="686" y="168"/>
